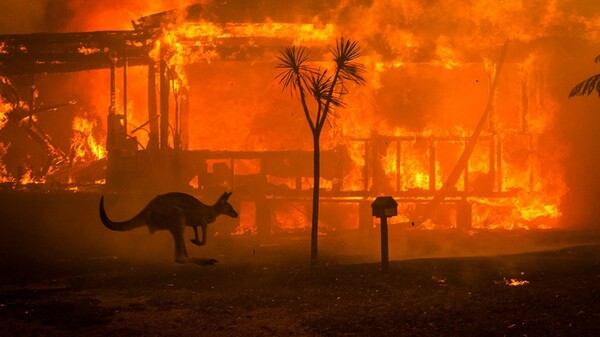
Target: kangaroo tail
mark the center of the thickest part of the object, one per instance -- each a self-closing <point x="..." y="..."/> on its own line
<point x="120" y="225"/>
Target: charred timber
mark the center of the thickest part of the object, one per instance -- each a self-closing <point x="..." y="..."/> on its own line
<point x="22" y="54"/>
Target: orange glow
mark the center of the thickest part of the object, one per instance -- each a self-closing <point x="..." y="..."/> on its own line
<point x="291" y="217"/>
<point x="428" y="87"/>
<point x="88" y="51"/>
<point x="28" y="178"/>
<point x="84" y="147"/>
<point x="305" y="34"/>
<point x="5" y="108"/>
<point x="247" y="224"/>
<point x="447" y="57"/>
<point x="4" y="176"/>
<point x="194" y="183"/>
<point x="515" y="282"/>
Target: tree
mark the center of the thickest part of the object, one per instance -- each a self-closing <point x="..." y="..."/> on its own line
<point x="327" y="91"/>
<point x="588" y="86"/>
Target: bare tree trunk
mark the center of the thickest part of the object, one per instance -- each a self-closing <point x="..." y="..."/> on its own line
<point x="314" y="234"/>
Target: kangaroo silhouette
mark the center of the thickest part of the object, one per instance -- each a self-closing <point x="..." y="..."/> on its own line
<point x="173" y="211"/>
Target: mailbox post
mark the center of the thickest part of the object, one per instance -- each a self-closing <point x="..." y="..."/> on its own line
<point x="383" y="208"/>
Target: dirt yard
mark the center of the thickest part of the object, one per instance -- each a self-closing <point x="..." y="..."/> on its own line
<point x="421" y="297"/>
<point x="63" y="274"/>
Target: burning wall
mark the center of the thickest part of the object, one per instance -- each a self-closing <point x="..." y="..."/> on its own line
<point x="430" y="68"/>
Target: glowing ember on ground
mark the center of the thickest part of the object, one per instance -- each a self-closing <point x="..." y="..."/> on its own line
<point x="515" y="282"/>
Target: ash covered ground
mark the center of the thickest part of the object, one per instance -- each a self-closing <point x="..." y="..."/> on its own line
<point x="63" y="274"/>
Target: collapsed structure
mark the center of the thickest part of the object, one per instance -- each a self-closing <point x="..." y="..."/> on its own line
<point x="484" y="177"/>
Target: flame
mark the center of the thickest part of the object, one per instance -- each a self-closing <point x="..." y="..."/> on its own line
<point x="446" y="54"/>
<point x="305" y="34"/>
<point x="29" y="178"/>
<point x="247" y="225"/>
<point x="515" y="282"/>
<point x="5" y="108"/>
<point x="354" y="179"/>
<point x="426" y="81"/>
<point x="4" y="175"/>
<point x="84" y="147"/>
<point x="88" y="51"/>
<point x="194" y="183"/>
<point x="291" y="217"/>
<point x="184" y="43"/>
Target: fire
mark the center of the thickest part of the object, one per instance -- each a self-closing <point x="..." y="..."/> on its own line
<point x="414" y="170"/>
<point x="184" y="43"/>
<point x="88" y="51"/>
<point x="513" y="282"/>
<point x="247" y="224"/>
<point x="4" y="175"/>
<point x="4" y="109"/>
<point x="305" y="34"/>
<point x="428" y="87"/>
<point x="447" y="55"/>
<point x="84" y="147"/>
<point x="29" y="178"/>
<point x="354" y="180"/>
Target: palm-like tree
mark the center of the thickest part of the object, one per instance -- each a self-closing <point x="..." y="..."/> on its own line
<point x="327" y="90"/>
<point x="588" y="86"/>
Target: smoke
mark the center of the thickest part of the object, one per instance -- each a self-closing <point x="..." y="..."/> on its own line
<point x="22" y="17"/>
<point x="430" y="65"/>
<point x="35" y="16"/>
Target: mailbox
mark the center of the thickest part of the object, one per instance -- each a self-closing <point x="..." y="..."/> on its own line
<point x="384" y="207"/>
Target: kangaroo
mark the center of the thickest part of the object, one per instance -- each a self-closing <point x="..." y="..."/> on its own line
<point x="172" y="212"/>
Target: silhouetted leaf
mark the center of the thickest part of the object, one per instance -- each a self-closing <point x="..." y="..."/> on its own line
<point x="587" y="87"/>
<point x="344" y="53"/>
<point x="320" y="86"/>
<point x="293" y="61"/>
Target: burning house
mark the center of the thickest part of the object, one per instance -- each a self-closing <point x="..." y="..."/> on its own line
<point x="455" y="125"/>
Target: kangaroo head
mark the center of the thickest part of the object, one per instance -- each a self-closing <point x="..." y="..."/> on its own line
<point x="225" y="207"/>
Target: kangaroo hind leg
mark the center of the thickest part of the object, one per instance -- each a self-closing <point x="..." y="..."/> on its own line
<point x="196" y="239"/>
<point x="181" y="255"/>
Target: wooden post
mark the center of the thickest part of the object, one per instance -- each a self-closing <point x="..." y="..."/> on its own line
<point x="383" y="208"/>
<point x="398" y="166"/>
<point x="432" y="165"/>
<point x="125" y="87"/>
<point x="384" y="245"/>
<point x="367" y="167"/>
<point x="164" y="104"/>
<point x="153" y="143"/>
<point x="184" y="120"/>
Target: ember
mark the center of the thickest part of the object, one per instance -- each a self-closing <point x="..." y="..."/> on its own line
<point x="514" y="282"/>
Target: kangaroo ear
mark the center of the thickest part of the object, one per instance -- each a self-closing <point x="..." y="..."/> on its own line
<point x="226" y="195"/>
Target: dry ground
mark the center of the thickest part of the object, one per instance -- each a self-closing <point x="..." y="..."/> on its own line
<point x="63" y="274"/>
<point x="421" y="297"/>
